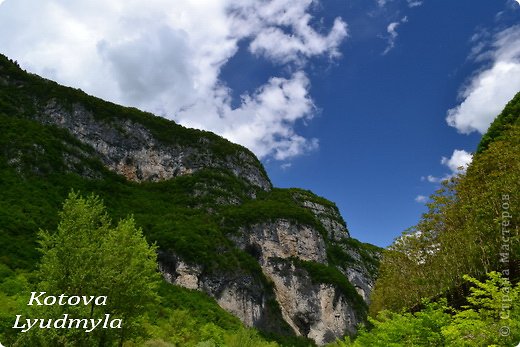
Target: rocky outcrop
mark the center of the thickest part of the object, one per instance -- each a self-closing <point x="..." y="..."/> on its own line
<point x="328" y="216"/>
<point x="244" y="295"/>
<point x="362" y="270"/>
<point x="361" y="279"/>
<point x="282" y="239"/>
<point x="130" y="149"/>
<point x="319" y="311"/>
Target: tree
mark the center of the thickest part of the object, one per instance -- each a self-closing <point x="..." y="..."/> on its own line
<point x="491" y="318"/>
<point x="89" y="256"/>
<point x="470" y="228"/>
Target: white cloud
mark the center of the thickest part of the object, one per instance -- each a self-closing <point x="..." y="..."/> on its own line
<point x="410" y="3"/>
<point x="484" y="97"/>
<point x="392" y="34"/>
<point x="421" y="199"/>
<point x="286" y="166"/>
<point x="271" y="111"/>
<point x="457" y="163"/>
<point x="166" y="57"/>
<point x="282" y="31"/>
<point x="414" y="3"/>
<point x="431" y="179"/>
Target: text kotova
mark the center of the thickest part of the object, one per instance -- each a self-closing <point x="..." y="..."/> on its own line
<point x="65" y="321"/>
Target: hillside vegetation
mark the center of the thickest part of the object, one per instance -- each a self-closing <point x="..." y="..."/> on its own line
<point x="191" y="216"/>
<point x="470" y="229"/>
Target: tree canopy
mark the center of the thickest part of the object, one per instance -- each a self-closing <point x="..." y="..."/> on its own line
<point x="491" y="318"/>
<point x="88" y="255"/>
<point x="470" y="228"/>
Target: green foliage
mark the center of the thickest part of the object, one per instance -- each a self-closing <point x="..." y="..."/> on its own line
<point x="89" y="255"/>
<point x="86" y="255"/>
<point x="504" y="121"/>
<point x="183" y="317"/>
<point x="337" y="256"/>
<point x="269" y="206"/>
<point x="203" y="308"/>
<point x="469" y="228"/>
<point x="14" y="289"/>
<point x="247" y="338"/>
<point x="393" y="329"/>
<point x="492" y="318"/>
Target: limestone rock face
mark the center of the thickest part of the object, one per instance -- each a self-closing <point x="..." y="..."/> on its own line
<point x="364" y="284"/>
<point x="129" y="149"/>
<point x="282" y="239"/>
<point x="242" y="295"/>
<point x="328" y="216"/>
<point x="319" y="311"/>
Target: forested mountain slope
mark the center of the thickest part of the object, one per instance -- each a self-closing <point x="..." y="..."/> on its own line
<point x="280" y="260"/>
<point x="471" y="227"/>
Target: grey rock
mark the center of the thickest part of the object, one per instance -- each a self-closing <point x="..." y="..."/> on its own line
<point x="282" y="239"/>
<point x="129" y="149"/>
<point x="329" y="217"/>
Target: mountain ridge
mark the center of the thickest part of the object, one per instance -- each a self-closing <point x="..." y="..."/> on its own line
<point x="281" y="260"/>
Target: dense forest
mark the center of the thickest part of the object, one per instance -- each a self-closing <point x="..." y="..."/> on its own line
<point x="68" y="223"/>
<point x="453" y="279"/>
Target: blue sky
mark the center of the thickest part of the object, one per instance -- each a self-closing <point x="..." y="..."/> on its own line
<point x="349" y="99"/>
<point x="382" y="125"/>
<point x="382" y="122"/>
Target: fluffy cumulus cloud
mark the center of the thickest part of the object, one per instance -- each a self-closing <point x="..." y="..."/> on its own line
<point x="282" y="32"/>
<point x="457" y="163"/>
<point x="166" y="57"/>
<point x="491" y="88"/>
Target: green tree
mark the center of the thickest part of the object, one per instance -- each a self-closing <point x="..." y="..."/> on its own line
<point x="491" y="318"/>
<point x="463" y="232"/>
<point x="392" y="329"/>
<point x="86" y="255"/>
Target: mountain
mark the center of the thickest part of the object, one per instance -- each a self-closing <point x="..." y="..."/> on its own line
<point x="280" y="260"/>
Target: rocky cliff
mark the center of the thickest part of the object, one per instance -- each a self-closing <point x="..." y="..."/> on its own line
<point x="314" y="305"/>
<point x="131" y="150"/>
<point x="281" y="260"/>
